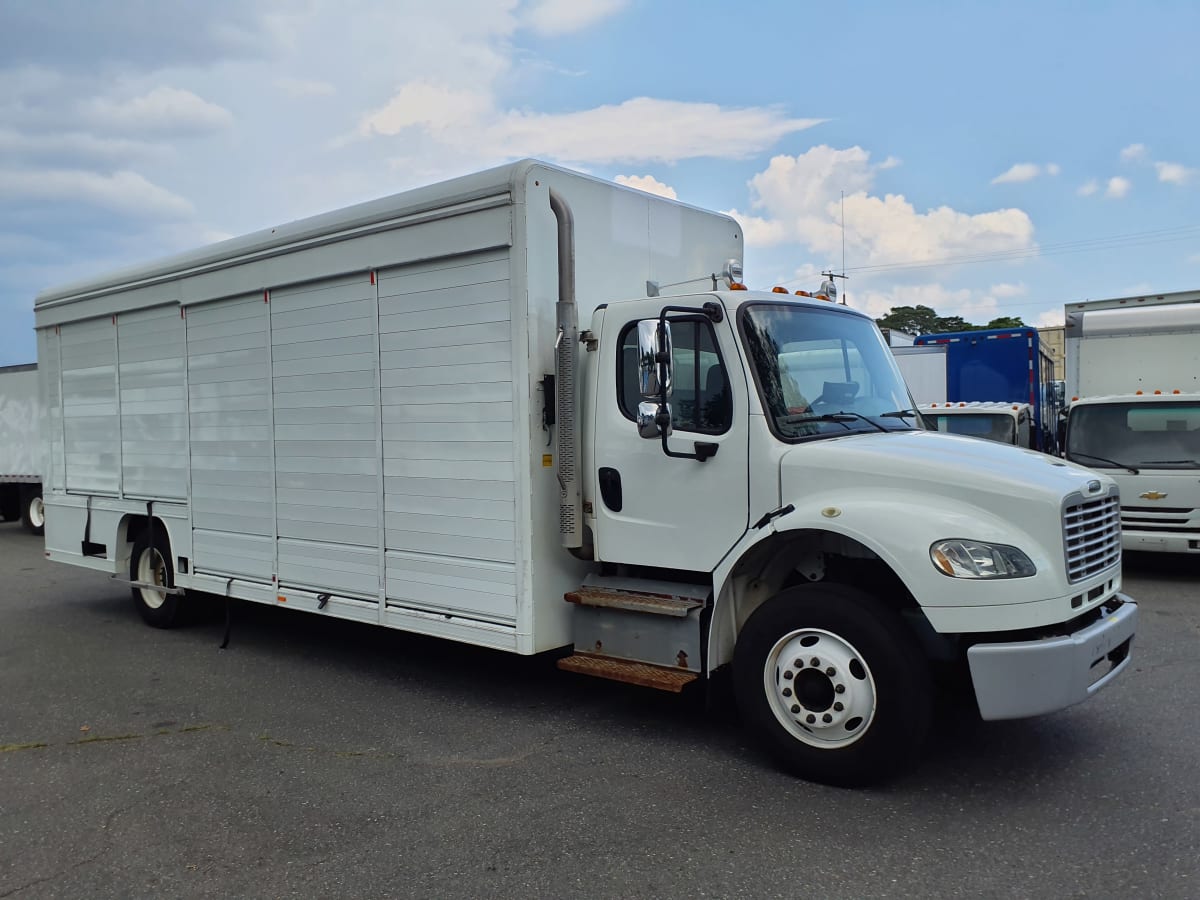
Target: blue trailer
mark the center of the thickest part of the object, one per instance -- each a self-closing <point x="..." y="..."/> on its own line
<point x="1002" y="364"/>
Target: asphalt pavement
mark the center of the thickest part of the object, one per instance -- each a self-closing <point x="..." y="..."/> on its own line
<point x="325" y="758"/>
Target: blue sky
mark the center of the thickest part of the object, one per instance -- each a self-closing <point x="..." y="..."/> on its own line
<point x="994" y="159"/>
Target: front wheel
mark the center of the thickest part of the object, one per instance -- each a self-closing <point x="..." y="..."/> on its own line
<point x="150" y="567"/>
<point x="833" y="684"/>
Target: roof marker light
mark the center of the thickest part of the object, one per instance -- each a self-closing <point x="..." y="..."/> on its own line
<point x="779" y="290"/>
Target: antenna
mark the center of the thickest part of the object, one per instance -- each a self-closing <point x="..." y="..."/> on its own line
<point x="831" y="274"/>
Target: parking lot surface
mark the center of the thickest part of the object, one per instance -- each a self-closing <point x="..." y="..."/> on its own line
<point x="323" y="758"/>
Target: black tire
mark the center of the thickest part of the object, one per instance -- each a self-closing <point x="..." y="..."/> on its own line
<point x="33" y="513"/>
<point x="157" y="609"/>
<point x="878" y="671"/>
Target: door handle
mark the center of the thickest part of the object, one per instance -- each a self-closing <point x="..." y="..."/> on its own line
<point x="610" y="488"/>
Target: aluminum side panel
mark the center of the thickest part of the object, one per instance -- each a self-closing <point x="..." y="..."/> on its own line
<point x="152" y="402"/>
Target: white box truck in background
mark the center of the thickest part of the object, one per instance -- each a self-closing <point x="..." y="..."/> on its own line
<point x="1133" y="381"/>
<point x="20" y="447"/>
<point x="924" y="371"/>
<point x="1005" y="423"/>
<point x="391" y="414"/>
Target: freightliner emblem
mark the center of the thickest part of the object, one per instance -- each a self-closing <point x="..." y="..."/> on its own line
<point x="1152" y="495"/>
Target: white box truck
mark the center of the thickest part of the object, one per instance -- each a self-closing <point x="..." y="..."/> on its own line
<point x="1133" y="380"/>
<point x="1006" y="423"/>
<point x="924" y="369"/>
<point x="391" y="414"/>
<point x="20" y="447"/>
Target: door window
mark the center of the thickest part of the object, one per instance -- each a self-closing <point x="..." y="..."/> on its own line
<point x="700" y="396"/>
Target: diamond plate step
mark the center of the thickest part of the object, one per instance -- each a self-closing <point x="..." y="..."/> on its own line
<point x="659" y="604"/>
<point x="643" y="674"/>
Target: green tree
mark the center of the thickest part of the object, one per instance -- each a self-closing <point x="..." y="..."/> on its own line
<point x="952" y="323"/>
<point x="913" y="319"/>
<point x="1006" y="322"/>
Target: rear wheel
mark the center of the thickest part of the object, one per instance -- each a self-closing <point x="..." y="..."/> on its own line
<point x="833" y="684"/>
<point x="151" y="565"/>
<point x="33" y="512"/>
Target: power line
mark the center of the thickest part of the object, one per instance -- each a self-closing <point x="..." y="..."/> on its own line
<point x="1133" y="239"/>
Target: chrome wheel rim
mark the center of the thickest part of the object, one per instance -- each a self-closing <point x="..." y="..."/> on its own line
<point x="820" y="688"/>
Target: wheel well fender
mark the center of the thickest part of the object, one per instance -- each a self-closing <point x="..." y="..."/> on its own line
<point x="134" y="526"/>
<point x="783" y="558"/>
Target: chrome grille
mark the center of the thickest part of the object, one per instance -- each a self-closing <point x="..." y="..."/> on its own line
<point x="1092" y="536"/>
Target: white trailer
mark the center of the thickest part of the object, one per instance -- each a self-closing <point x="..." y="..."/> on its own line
<point x="1133" y="379"/>
<point x="924" y="369"/>
<point x="390" y="414"/>
<point x="20" y="447"/>
<point x="1006" y="423"/>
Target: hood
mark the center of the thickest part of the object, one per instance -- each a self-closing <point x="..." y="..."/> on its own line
<point x="916" y="487"/>
<point x="940" y="462"/>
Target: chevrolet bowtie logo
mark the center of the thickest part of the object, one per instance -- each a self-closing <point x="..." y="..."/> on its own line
<point x="1152" y="495"/>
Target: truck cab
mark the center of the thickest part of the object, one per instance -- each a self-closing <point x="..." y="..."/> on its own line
<point x="1005" y="423"/>
<point x="1150" y="445"/>
<point x="755" y="470"/>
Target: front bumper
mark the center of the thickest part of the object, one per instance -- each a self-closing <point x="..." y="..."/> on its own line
<point x="1029" y="678"/>
<point x="1153" y="542"/>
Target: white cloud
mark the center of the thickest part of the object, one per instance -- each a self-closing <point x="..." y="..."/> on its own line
<point x="1174" y="173"/>
<point x="164" y="110"/>
<point x="73" y="145"/>
<point x="1087" y="188"/>
<point x="1018" y="173"/>
<point x="1117" y="187"/>
<point x="649" y="184"/>
<point x="557" y="17"/>
<point x="122" y="192"/>
<point x="300" y="87"/>
<point x="800" y="200"/>
<point x="435" y="107"/>
<point x="1009" y="290"/>
<point x="643" y="129"/>
<point x="1051" y="318"/>
<point x="973" y="306"/>
<point x="1022" y="172"/>
<point x="1133" y="152"/>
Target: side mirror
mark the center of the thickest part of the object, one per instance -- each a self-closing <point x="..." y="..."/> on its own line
<point x="654" y="378"/>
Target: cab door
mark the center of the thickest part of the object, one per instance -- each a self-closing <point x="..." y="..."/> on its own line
<point x="656" y="510"/>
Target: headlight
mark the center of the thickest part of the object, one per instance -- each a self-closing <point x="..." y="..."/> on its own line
<point x="960" y="558"/>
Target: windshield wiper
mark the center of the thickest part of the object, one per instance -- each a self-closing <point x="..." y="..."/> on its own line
<point x="1170" y="462"/>
<point x="900" y="414"/>
<point x="842" y="418"/>
<point x="1111" y="462"/>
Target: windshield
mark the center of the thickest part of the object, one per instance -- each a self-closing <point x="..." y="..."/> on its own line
<point x="989" y="426"/>
<point x="823" y="372"/>
<point x="1149" y="435"/>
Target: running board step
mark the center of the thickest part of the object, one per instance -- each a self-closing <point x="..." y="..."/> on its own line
<point x="660" y="604"/>
<point x="644" y="674"/>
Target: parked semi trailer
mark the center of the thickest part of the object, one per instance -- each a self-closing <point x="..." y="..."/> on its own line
<point x="20" y="447"/>
<point x="393" y="414"/>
